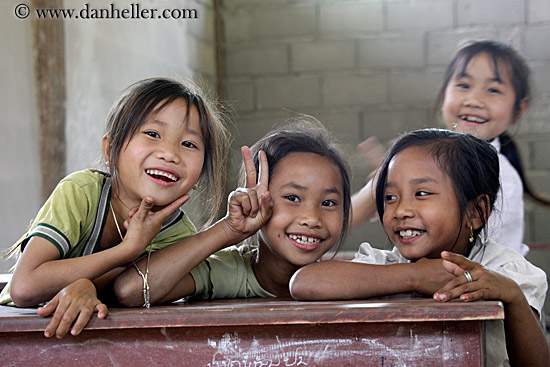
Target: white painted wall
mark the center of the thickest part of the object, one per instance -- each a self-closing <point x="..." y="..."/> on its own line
<point x="20" y="173"/>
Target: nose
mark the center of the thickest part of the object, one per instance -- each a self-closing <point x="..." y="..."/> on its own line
<point x="474" y="99"/>
<point x="310" y="217"/>
<point x="404" y="209"/>
<point x="168" y="152"/>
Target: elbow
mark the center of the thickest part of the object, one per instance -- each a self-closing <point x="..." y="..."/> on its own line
<point x="127" y="294"/>
<point x="298" y="287"/>
<point x="23" y="295"/>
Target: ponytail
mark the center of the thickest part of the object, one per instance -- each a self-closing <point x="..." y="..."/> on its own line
<point x="509" y="149"/>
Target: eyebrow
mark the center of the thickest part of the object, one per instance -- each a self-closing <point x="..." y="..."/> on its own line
<point x="416" y="181"/>
<point x="303" y="188"/>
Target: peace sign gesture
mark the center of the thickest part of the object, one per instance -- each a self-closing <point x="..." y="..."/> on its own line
<point x="250" y="207"/>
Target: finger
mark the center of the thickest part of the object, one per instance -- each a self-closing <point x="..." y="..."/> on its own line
<point x="459" y="260"/>
<point x="249" y="168"/>
<point x="263" y="179"/>
<point x="84" y="316"/>
<point x="144" y="209"/>
<point x="102" y="310"/>
<point x="48" y="308"/>
<point x="266" y="206"/>
<point x="254" y="203"/>
<point x="172" y="207"/>
<point x="243" y="200"/>
<point x="57" y="317"/>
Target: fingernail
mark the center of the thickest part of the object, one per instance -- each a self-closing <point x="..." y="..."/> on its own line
<point x="464" y="298"/>
<point x="436" y="295"/>
<point x="47" y="334"/>
<point x="442" y="297"/>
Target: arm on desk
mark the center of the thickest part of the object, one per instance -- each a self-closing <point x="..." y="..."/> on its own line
<point x="338" y="280"/>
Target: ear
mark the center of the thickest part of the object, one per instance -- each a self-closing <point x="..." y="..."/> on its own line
<point x="106" y="148"/>
<point x="523" y="106"/>
<point x="478" y="212"/>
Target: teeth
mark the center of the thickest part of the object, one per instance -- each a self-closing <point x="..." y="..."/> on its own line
<point x="304" y="240"/>
<point x="473" y="119"/>
<point x="409" y="233"/>
<point x="156" y="172"/>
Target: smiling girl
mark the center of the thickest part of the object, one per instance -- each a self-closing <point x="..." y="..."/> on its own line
<point x="308" y="181"/>
<point x="162" y="139"/>
<point x="435" y="191"/>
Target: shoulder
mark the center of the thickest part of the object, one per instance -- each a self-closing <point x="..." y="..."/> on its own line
<point x="370" y="255"/>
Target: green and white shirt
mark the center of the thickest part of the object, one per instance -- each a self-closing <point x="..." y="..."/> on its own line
<point x="74" y="216"/>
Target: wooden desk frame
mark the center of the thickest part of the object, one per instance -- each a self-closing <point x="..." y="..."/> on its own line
<point x="261" y="332"/>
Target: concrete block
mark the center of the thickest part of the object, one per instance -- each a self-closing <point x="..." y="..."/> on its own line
<point x="387" y="124"/>
<point x="540" y="227"/>
<point x="288" y="92"/>
<point x="419" y="14"/>
<point x="392" y="52"/>
<point x="411" y="87"/>
<point x="354" y="89"/>
<point x="540" y="79"/>
<point x="256" y="60"/>
<point x="472" y="12"/>
<point x="541" y="152"/>
<point x="343" y="124"/>
<point x="236" y="25"/>
<point x="326" y="55"/>
<point x="283" y="21"/>
<point x="351" y="17"/>
<point x="539" y="11"/>
<point x="442" y="45"/>
<point x="536" y="41"/>
<point x="240" y="95"/>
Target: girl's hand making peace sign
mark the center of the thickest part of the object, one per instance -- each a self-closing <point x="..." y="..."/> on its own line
<point x="250" y="207"/>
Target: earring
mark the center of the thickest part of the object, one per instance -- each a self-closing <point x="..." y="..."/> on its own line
<point x="471" y="239"/>
<point x="194" y="187"/>
<point x="454" y="126"/>
<point x="107" y="163"/>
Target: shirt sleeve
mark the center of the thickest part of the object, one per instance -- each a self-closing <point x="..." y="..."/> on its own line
<point x="63" y="217"/>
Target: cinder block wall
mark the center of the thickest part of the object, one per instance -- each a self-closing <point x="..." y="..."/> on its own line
<point x="373" y="67"/>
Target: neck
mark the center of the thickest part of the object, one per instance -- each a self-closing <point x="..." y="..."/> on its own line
<point x="273" y="272"/>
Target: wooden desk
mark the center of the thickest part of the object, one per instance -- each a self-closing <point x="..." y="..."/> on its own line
<point x="260" y="332"/>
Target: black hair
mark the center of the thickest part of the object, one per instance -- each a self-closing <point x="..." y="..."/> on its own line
<point x="149" y="96"/>
<point x="471" y="164"/>
<point x="503" y="55"/>
<point x="306" y="134"/>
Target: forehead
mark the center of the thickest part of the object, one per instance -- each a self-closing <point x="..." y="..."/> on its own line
<point x="307" y="167"/>
<point x="415" y="163"/>
<point x="486" y="64"/>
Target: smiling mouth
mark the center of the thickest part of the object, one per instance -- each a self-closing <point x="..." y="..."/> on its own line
<point x="304" y="240"/>
<point x="473" y="119"/>
<point x="161" y="175"/>
<point x="410" y="233"/>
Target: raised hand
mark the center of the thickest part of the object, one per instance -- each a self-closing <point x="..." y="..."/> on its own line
<point x="76" y="303"/>
<point x="143" y="224"/>
<point x="250" y="207"/>
<point x="480" y="283"/>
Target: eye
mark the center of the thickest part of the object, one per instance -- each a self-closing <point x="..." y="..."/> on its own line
<point x="188" y="144"/>
<point x="494" y="90"/>
<point x="423" y="193"/>
<point x="152" y="134"/>
<point x="293" y="198"/>
<point x="390" y="197"/>
<point x="329" y="203"/>
<point x="463" y="85"/>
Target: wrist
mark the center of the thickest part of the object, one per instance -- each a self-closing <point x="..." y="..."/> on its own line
<point x="231" y="235"/>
